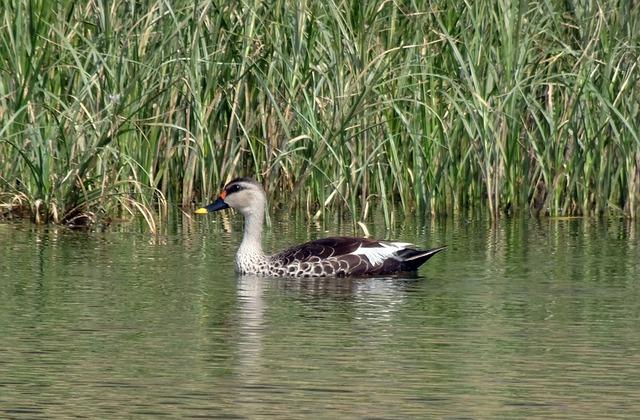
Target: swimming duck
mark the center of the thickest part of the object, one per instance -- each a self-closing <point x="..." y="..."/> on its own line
<point x="337" y="256"/>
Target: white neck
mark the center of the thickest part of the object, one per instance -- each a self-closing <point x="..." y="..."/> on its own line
<point x="252" y="241"/>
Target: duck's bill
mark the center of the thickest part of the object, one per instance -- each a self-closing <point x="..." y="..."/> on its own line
<point x="219" y="204"/>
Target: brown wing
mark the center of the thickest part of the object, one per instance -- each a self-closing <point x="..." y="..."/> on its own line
<point x="333" y="256"/>
<point x="319" y="250"/>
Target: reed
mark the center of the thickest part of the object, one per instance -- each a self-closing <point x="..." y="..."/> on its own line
<point x="440" y="107"/>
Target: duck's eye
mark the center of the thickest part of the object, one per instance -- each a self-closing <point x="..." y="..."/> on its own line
<point x="234" y="188"/>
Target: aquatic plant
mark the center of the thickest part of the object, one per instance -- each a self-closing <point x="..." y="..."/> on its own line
<point x="439" y="107"/>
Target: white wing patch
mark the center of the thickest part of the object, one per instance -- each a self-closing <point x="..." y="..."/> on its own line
<point x="378" y="254"/>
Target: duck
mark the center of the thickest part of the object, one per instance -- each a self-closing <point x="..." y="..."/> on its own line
<point x="328" y="257"/>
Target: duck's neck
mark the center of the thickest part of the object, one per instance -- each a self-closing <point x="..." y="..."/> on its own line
<point x="251" y="244"/>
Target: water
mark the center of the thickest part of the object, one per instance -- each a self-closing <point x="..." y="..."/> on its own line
<point x="523" y="319"/>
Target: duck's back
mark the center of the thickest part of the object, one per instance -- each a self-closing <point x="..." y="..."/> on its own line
<point x="347" y="256"/>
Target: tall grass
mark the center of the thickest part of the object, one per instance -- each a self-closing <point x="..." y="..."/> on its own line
<point x="436" y="107"/>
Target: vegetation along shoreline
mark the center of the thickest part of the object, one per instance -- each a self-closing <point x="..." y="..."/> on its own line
<point x="125" y="108"/>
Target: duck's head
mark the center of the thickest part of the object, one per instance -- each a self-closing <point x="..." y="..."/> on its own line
<point x="242" y="194"/>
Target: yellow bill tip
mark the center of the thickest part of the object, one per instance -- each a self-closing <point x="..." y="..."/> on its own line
<point x="201" y="210"/>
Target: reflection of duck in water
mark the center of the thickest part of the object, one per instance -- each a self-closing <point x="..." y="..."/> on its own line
<point x="338" y="256"/>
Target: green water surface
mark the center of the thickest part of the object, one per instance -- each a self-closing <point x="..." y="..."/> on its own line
<point x="527" y="318"/>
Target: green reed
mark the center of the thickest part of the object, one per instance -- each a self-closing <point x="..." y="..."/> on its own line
<point x="441" y="107"/>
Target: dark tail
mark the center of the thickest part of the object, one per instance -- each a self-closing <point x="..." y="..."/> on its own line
<point x="412" y="259"/>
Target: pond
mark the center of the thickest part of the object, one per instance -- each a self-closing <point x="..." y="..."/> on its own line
<point x="525" y="318"/>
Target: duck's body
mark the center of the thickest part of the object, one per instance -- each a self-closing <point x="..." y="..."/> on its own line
<point x="338" y="256"/>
